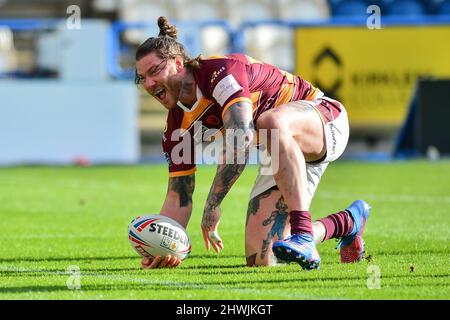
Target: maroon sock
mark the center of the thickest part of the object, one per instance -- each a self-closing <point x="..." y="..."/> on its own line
<point x="337" y="225"/>
<point x="300" y="222"/>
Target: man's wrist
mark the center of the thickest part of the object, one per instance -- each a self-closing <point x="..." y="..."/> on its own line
<point x="210" y="208"/>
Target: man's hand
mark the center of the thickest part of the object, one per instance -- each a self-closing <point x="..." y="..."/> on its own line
<point x="210" y="224"/>
<point x="159" y="262"/>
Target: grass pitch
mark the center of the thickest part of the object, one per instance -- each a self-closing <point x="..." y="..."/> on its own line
<point x="57" y="219"/>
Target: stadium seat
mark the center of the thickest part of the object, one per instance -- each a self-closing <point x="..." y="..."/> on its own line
<point x="259" y="39"/>
<point x="280" y="51"/>
<point x="8" y="54"/>
<point x="214" y="39"/>
<point x="303" y="10"/>
<point x="349" y="8"/>
<point x="105" y="5"/>
<point x="271" y="44"/>
<point x="239" y="11"/>
<point x="444" y="8"/>
<point x="200" y="10"/>
<point x="406" y="8"/>
<point x="143" y="11"/>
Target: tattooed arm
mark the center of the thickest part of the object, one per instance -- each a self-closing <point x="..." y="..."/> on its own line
<point x="178" y="206"/>
<point x="239" y="134"/>
<point x="178" y="203"/>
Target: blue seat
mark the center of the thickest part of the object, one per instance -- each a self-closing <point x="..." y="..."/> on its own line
<point x="444" y="8"/>
<point x="406" y="8"/>
<point x="349" y="8"/>
<point x="432" y="6"/>
<point x="381" y="3"/>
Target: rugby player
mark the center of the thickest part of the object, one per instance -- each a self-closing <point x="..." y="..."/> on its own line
<point x="237" y="92"/>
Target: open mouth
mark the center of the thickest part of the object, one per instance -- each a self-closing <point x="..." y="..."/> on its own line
<point x="160" y="93"/>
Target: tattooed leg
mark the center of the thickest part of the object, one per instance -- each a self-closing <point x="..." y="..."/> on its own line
<point x="266" y="220"/>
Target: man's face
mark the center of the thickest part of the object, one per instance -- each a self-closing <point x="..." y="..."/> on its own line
<point x="161" y="78"/>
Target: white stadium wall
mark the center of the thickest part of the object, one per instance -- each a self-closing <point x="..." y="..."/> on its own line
<point x="82" y="116"/>
<point x="59" y="122"/>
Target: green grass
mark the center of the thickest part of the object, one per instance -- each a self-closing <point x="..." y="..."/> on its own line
<point x="53" y="218"/>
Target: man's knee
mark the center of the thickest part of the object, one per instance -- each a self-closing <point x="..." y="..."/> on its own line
<point x="269" y="120"/>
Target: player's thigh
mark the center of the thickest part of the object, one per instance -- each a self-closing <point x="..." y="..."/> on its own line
<point x="302" y="121"/>
<point x="267" y="221"/>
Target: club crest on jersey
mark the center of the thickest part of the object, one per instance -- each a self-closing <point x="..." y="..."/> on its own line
<point x="213" y="120"/>
<point x="216" y="74"/>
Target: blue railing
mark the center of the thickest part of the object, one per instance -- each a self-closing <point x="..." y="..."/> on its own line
<point x="29" y="24"/>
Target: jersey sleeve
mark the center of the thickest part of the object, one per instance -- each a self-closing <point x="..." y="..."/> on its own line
<point x="226" y="81"/>
<point x="178" y="147"/>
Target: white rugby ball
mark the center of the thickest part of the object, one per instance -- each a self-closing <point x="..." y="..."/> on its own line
<point x="156" y="235"/>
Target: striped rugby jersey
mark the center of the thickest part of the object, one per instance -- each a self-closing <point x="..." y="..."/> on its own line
<point x="221" y="82"/>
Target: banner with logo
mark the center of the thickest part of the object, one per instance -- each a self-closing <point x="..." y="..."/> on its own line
<point x="372" y="72"/>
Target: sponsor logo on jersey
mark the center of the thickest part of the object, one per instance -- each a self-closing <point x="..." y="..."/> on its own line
<point x="216" y="74"/>
<point x="225" y="89"/>
<point x="333" y="138"/>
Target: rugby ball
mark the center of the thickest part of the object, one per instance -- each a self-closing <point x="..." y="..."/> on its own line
<point x="156" y="235"/>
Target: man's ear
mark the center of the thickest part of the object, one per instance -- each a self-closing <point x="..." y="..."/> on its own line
<point x="179" y="64"/>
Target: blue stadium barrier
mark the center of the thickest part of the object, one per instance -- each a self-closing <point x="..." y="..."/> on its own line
<point x="28" y="24"/>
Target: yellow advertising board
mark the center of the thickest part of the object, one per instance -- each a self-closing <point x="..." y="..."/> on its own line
<point x="372" y="72"/>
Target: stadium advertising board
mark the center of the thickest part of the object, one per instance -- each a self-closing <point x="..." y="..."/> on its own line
<point x="373" y="72"/>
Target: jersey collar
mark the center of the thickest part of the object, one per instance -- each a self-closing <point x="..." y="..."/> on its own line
<point x="198" y="96"/>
